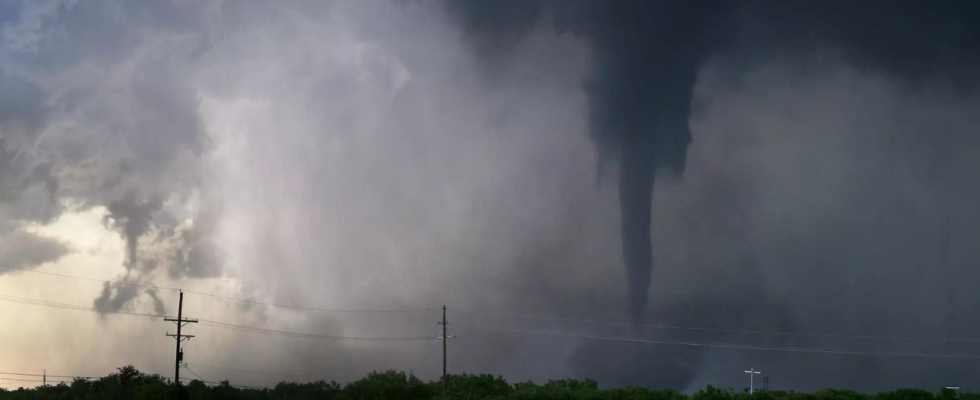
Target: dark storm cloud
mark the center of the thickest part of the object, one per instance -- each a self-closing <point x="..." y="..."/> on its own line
<point x="495" y="28"/>
<point x="915" y="40"/>
<point x="365" y="161"/>
<point x="647" y="59"/>
<point x="647" y="56"/>
<point x="27" y="186"/>
<point x="483" y="197"/>
<point x="826" y="206"/>
<point x="98" y="117"/>
<point x="21" y="108"/>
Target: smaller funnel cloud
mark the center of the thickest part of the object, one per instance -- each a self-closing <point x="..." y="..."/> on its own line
<point x="122" y="134"/>
<point x="186" y="249"/>
<point x="132" y="217"/>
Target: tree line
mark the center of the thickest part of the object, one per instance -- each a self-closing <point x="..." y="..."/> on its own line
<point x="128" y="383"/>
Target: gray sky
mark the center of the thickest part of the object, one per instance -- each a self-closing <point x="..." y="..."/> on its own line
<point x="379" y="155"/>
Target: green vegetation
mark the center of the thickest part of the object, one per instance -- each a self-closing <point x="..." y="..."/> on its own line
<point x="128" y="383"/>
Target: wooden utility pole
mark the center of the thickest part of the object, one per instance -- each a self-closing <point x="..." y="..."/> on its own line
<point x="445" y="339"/>
<point x="180" y="321"/>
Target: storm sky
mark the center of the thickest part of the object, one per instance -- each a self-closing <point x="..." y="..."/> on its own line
<point x="374" y="155"/>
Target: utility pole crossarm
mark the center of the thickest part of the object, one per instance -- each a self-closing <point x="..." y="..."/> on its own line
<point x="171" y="319"/>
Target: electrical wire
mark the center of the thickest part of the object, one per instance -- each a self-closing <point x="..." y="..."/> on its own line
<point x="526" y="316"/>
<point x="22" y="380"/>
<point x="267" y="372"/>
<point x="306" y="308"/>
<point x="50" y="375"/>
<point x="215" y="324"/>
<point x="721" y="345"/>
<point x="227" y="298"/>
<point x="33" y="380"/>
<point x="24" y="300"/>
<point x="229" y="384"/>
<point x="257" y="330"/>
<point x="741" y="331"/>
<point x="198" y="376"/>
<point x="265" y="331"/>
<point x="88" y="279"/>
<point x="429" y="350"/>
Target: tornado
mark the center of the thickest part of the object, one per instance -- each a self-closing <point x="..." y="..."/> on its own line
<point x="645" y="60"/>
<point x="645" y="64"/>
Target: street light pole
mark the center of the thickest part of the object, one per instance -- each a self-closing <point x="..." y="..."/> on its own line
<point x="752" y="373"/>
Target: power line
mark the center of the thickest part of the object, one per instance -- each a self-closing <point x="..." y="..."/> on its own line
<point x="428" y="349"/>
<point x="58" y="376"/>
<point x="743" y="331"/>
<point x="88" y="279"/>
<point x="229" y="384"/>
<point x="243" y="328"/>
<point x="198" y="376"/>
<point x="305" y="308"/>
<point x="31" y="380"/>
<point x="269" y="373"/>
<point x="24" y="300"/>
<point x="227" y="298"/>
<point x="21" y="380"/>
<point x="53" y="376"/>
<point x="265" y="331"/>
<point x="215" y="324"/>
<point x="10" y="386"/>
<point x="723" y="345"/>
<point x="577" y="320"/>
